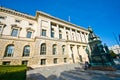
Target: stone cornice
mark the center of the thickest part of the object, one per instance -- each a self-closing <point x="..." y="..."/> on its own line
<point x="14" y="12"/>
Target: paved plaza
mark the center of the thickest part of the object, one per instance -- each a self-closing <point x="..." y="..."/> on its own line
<point x="71" y="72"/>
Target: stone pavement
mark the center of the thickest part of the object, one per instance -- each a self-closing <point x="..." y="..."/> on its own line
<point x="70" y="72"/>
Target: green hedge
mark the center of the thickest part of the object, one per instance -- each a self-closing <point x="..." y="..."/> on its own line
<point x="13" y="72"/>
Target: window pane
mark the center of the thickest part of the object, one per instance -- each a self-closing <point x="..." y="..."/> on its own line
<point x="43" y="32"/>
<point x="55" y="61"/>
<point x="52" y="34"/>
<point x="29" y="34"/>
<point x="43" y="49"/>
<point x="43" y="61"/>
<point x="54" y="49"/>
<point x="14" y="32"/>
<point x="63" y="49"/>
<point x="6" y="63"/>
<point x="24" y="62"/>
<point x="0" y="29"/>
<point x="9" y="51"/>
<point x="60" y="36"/>
<point x="26" y="51"/>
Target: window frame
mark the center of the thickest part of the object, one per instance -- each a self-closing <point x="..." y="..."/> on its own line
<point x="44" y="32"/>
<point x="26" y="47"/>
<point x="43" y="49"/>
<point x="43" y="62"/>
<point x="29" y="36"/>
<point x="54" y="49"/>
<point x="9" y="48"/>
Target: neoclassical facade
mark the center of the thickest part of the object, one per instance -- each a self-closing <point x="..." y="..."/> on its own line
<point x="41" y="40"/>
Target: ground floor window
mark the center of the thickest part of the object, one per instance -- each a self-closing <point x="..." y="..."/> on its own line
<point x="65" y="60"/>
<point x="55" y="60"/>
<point x="6" y="63"/>
<point x="24" y="62"/>
<point x="43" y="61"/>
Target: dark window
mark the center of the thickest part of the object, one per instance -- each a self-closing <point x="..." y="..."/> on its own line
<point x="54" y="49"/>
<point x="43" y="61"/>
<point x="0" y="29"/>
<point x="18" y="21"/>
<point x="26" y="50"/>
<point x="43" y="32"/>
<point x="43" y="49"/>
<point x="2" y="17"/>
<point x="29" y="34"/>
<point x="14" y="32"/>
<point x="9" y="51"/>
<point x="24" y="62"/>
<point x="55" y="61"/>
<point x="63" y="49"/>
<point x="6" y="63"/>
<point x="60" y="36"/>
<point x="65" y="60"/>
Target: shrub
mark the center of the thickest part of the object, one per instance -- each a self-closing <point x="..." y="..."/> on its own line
<point x="12" y="72"/>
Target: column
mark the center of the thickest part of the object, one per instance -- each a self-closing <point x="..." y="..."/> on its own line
<point x="49" y="29"/>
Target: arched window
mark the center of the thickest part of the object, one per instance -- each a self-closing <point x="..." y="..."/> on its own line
<point x="9" y="50"/>
<point x="63" y="49"/>
<point x="43" y="49"/>
<point x="54" y="48"/>
<point x="26" y="50"/>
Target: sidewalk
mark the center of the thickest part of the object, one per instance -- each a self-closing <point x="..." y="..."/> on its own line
<point x="71" y="72"/>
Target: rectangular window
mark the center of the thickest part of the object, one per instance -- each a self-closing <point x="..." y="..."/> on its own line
<point x="29" y="34"/>
<point x="30" y="24"/>
<point x="24" y="62"/>
<point x="43" y="32"/>
<point x="0" y="29"/>
<point x="52" y="34"/>
<point x="18" y="21"/>
<point x="6" y="63"/>
<point x="55" y="61"/>
<point x="43" y="61"/>
<point x="65" y="60"/>
<point x="2" y="17"/>
<point x="60" y="36"/>
<point x="14" y="32"/>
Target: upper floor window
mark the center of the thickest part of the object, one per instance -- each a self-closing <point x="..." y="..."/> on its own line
<point x="26" y="50"/>
<point x="43" y="32"/>
<point x="14" y="32"/>
<point x="63" y="49"/>
<point x="30" y="24"/>
<point x="67" y="35"/>
<point x="17" y="21"/>
<point x="29" y="34"/>
<point x="60" y="34"/>
<point x="9" y="50"/>
<point x="52" y="33"/>
<point x="54" y="49"/>
<point x="43" y="49"/>
<point x="2" y="17"/>
<point x="0" y="28"/>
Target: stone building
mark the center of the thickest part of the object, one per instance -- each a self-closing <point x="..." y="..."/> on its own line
<point x="41" y="40"/>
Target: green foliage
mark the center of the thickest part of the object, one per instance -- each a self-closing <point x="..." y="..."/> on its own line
<point x="13" y="72"/>
<point x="113" y="54"/>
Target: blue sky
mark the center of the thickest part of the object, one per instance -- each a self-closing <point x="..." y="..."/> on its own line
<point x="102" y="15"/>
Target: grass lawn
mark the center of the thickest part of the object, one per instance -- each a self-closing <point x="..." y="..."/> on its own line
<point x="8" y="72"/>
